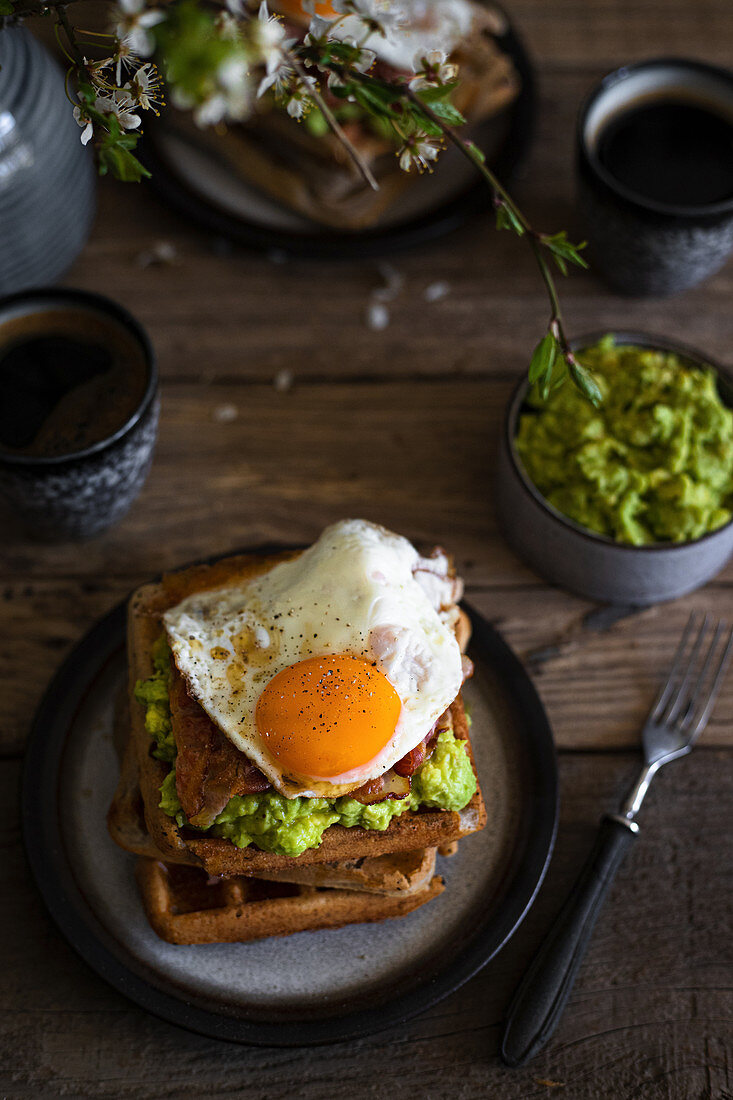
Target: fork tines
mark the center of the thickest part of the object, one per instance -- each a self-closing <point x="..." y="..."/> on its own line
<point x="687" y="698"/>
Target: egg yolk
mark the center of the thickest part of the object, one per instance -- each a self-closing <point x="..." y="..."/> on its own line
<point x="295" y="7"/>
<point x="324" y="716"/>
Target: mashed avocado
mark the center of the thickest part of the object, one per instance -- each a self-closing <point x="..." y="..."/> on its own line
<point x="653" y="464"/>
<point x="153" y="694"/>
<point x="288" y="826"/>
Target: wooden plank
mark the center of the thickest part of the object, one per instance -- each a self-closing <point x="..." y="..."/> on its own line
<point x="652" y="1013"/>
<point x="616" y="32"/>
<point x="417" y="458"/>
<point x="598" y="683"/>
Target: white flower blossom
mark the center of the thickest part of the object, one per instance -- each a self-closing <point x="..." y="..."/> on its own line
<point x="317" y="29"/>
<point x="124" y="59"/>
<point x="299" y="101"/>
<point x="230" y="99"/>
<point x="278" y="79"/>
<point x="365" y="59"/>
<point x="419" y="151"/>
<point x="227" y="25"/>
<point x="97" y="70"/>
<point x="118" y="103"/>
<point x="83" y="119"/>
<point x="268" y="36"/>
<point x="432" y="70"/>
<point x="144" y="89"/>
<point x="320" y="31"/>
<point x="132" y="23"/>
<point x="377" y="15"/>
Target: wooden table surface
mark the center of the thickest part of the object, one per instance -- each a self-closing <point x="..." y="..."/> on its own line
<point x="400" y="427"/>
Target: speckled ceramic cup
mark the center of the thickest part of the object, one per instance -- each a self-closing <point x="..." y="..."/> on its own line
<point x="592" y="565"/>
<point x="642" y="247"/>
<point x="78" y="494"/>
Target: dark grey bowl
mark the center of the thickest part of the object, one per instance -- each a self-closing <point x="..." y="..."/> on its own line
<point x="72" y="496"/>
<point x="592" y="565"/>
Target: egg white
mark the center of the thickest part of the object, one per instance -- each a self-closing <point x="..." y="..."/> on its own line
<point x="352" y="592"/>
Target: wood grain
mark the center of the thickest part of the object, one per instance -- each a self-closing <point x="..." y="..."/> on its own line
<point x="418" y="458"/>
<point x="399" y="426"/>
<point x="652" y="1014"/>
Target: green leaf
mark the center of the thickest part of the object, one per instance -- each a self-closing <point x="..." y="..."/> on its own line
<point x="343" y="91"/>
<point x="559" y="375"/>
<point x="585" y="382"/>
<point x="374" y="100"/>
<point x="435" y="92"/>
<point x="121" y="164"/>
<point x="563" y="249"/>
<point x="507" y="219"/>
<point x="448" y="113"/>
<point x="426" y="125"/>
<point x="543" y="359"/>
<point x="6" y="8"/>
<point x="113" y="125"/>
<point x="85" y="91"/>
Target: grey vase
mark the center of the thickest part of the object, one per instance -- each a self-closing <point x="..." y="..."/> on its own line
<point x="47" y="177"/>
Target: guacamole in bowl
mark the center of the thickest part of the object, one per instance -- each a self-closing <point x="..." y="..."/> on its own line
<point x="630" y="503"/>
<point x="652" y="464"/>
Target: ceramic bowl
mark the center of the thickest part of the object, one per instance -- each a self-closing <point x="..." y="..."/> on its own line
<point x="593" y="565"/>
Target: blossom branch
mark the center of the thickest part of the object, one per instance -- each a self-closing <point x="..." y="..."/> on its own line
<point x="511" y="217"/>
<point x="332" y="121"/>
<point x="63" y="21"/>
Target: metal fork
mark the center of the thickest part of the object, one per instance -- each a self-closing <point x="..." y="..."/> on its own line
<point x="677" y="718"/>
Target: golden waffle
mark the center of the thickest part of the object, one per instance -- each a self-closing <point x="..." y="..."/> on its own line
<point x="186" y="906"/>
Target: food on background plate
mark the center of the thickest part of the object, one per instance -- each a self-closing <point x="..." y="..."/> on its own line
<point x="303" y="166"/>
<point x="652" y="464"/>
<point x="295" y="720"/>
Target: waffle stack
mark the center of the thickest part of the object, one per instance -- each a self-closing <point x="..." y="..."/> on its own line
<point x="203" y="889"/>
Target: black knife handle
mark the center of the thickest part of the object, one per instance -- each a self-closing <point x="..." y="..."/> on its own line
<point x="539" y="1001"/>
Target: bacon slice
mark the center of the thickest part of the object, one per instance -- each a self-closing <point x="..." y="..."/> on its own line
<point x="389" y="785"/>
<point x="412" y="760"/>
<point x="209" y="769"/>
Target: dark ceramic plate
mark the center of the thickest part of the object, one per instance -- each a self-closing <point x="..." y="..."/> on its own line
<point x="198" y="189"/>
<point x="314" y="987"/>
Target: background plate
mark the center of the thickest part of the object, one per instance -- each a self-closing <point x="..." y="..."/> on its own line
<point x="312" y="987"/>
<point x="200" y="189"/>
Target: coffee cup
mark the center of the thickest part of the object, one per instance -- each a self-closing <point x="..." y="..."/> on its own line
<point x="79" y="412"/>
<point x="655" y="175"/>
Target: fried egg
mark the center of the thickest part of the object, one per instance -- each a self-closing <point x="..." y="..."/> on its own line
<point x="328" y="669"/>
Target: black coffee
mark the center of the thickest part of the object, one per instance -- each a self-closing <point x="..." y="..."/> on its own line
<point x="671" y="150"/>
<point x="61" y="393"/>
